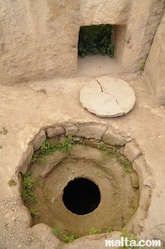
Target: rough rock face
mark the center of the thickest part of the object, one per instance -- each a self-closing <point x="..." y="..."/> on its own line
<point x="141" y="26"/>
<point x="38" y="39"/>
<point x="107" y="97"/>
<point x="154" y="68"/>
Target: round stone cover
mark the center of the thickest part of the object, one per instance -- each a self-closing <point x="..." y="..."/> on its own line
<point x="107" y="97"/>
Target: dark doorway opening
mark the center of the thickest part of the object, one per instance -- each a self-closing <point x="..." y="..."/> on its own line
<point x="96" y="39"/>
<point x="81" y="196"/>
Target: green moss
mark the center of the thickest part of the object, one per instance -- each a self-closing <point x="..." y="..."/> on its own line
<point x="64" y="236"/>
<point x="142" y="65"/>
<point x="28" y="191"/>
<point x="48" y="148"/>
<point x="4" y="131"/>
<point x="29" y="185"/>
<point x="12" y="182"/>
<point x="34" y="213"/>
<point x="94" y="231"/>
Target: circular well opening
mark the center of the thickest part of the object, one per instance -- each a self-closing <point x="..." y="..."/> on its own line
<point x="81" y="196"/>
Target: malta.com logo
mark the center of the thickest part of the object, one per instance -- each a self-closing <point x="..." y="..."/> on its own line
<point x="129" y="241"/>
<point x="131" y="244"/>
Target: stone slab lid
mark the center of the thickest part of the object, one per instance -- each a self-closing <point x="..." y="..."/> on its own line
<point x="107" y="97"/>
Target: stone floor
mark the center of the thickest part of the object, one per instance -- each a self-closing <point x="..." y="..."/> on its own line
<point x="28" y="107"/>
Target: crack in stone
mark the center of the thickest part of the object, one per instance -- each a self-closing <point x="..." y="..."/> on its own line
<point x="100" y="85"/>
<point x="104" y="90"/>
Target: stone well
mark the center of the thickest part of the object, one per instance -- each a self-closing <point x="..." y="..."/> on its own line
<point x="117" y="203"/>
<point x="41" y="79"/>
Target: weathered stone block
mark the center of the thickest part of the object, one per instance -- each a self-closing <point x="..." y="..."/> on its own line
<point x="71" y="130"/>
<point x="39" y="139"/>
<point x="54" y="131"/>
<point x="114" y="137"/>
<point x="91" y="130"/>
<point x="26" y="159"/>
<point x="132" y="151"/>
<point x="45" y="234"/>
<point x="134" y="180"/>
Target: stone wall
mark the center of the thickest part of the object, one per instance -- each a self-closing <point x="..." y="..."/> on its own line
<point x="155" y="65"/>
<point x="38" y="39"/>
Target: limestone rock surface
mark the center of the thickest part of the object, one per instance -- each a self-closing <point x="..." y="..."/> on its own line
<point x="39" y="139"/>
<point x="132" y="151"/>
<point x="107" y="97"/>
<point x="39" y="39"/>
<point x="54" y="131"/>
<point x="154" y="68"/>
<point x="114" y="137"/>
